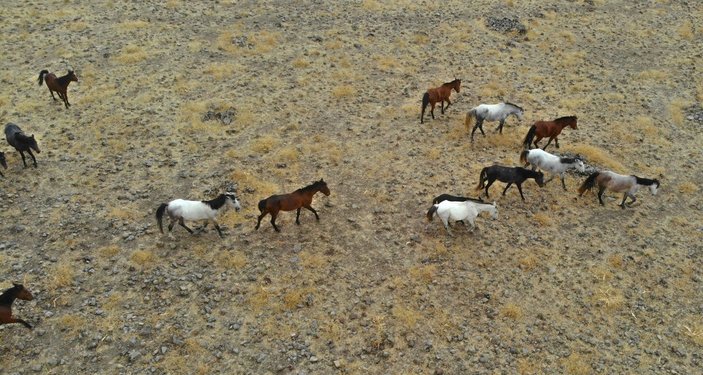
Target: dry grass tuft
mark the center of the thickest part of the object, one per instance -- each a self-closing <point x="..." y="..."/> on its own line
<point x="615" y="261"/>
<point x="527" y="367"/>
<point x="511" y="311"/>
<point x="653" y="75"/>
<point x="694" y="331"/>
<point x="406" y="316"/>
<point x="543" y="219"/>
<point x="575" y="364"/>
<point x="343" y="91"/>
<point x="142" y="257"/>
<point x="688" y="187"/>
<point x="264" y="144"/>
<point x="528" y="263"/>
<point x="132" y="25"/>
<point x="222" y="70"/>
<point x="676" y="111"/>
<point x="309" y="260"/>
<point x="62" y="276"/>
<point x="109" y="251"/>
<point x="131" y="54"/>
<point x="424" y="273"/>
<point x="260" y="298"/>
<point x="686" y="30"/>
<point x="611" y="299"/>
<point x="227" y="259"/>
<point x="597" y="156"/>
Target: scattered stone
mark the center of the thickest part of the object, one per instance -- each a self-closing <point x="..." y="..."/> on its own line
<point x="505" y="25"/>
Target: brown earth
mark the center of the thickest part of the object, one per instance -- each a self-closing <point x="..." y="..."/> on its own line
<point x="319" y="89"/>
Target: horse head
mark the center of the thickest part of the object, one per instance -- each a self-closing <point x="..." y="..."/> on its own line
<point x="494" y="211"/>
<point x="233" y="200"/>
<point x="654" y="187"/>
<point x="540" y="179"/>
<point x="323" y="187"/>
<point x="573" y="123"/>
<point x="457" y="85"/>
<point x="33" y="144"/>
<point x="22" y="292"/>
<point x="72" y="76"/>
<point x="579" y="165"/>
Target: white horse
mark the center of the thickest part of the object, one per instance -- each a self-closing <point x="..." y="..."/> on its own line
<point x="459" y="211"/>
<point x="491" y="112"/>
<point x="181" y="209"/>
<point x="618" y="183"/>
<point x="553" y="164"/>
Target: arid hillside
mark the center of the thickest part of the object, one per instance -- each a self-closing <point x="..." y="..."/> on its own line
<point x="185" y="99"/>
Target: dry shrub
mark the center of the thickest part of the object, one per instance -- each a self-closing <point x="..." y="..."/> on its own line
<point x="62" y="276"/>
<point x="343" y="91"/>
<point x="543" y="219"/>
<point x="615" y="261"/>
<point x="261" y="297"/>
<point x="294" y="298"/>
<point x="109" y="251"/>
<point x="511" y="311"/>
<point x="264" y="41"/>
<point x="528" y="263"/>
<point x="688" y="187"/>
<point x="222" y="70"/>
<point x="653" y="75"/>
<point x="610" y="299"/>
<point x="300" y="63"/>
<point x="142" y="257"/>
<point x="131" y="54"/>
<point x="264" y="144"/>
<point x="597" y="156"/>
<point x="71" y="323"/>
<point x="424" y="273"/>
<point x="121" y="213"/>
<point x="289" y="154"/>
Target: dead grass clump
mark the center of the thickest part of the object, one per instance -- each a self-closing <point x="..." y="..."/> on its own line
<point x="527" y="367"/>
<point x="424" y="273"/>
<point x="686" y="30"/>
<point x="296" y="298"/>
<point x="227" y="259"/>
<point x="598" y="156"/>
<point x="131" y="54"/>
<point x="676" y="111"/>
<point x="609" y="298"/>
<point x="575" y="364"/>
<point x="109" y="251"/>
<point x="142" y="257"/>
<point x="406" y="316"/>
<point x="309" y="260"/>
<point x="511" y="311"/>
<point x="132" y="25"/>
<point x="300" y="63"/>
<point x="543" y="219"/>
<point x="77" y="26"/>
<point x="688" y="187"/>
<point x="492" y="89"/>
<point x="694" y="331"/>
<point x="653" y="75"/>
<point x="343" y="91"/>
<point x="288" y="154"/>
<point x="71" y="323"/>
<point x="264" y="41"/>
<point x="221" y="70"/>
<point x="62" y="276"/>
<point x="528" y="263"/>
<point x="264" y="144"/>
<point x="260" y="298"/>
<point x="615" y="261"/>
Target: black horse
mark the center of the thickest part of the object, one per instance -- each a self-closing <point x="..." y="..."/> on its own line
<point x="511" y="175"/>
<point x="21" y="142"/>
<point x="3" y="162"/>
<point x="454" y="198"/>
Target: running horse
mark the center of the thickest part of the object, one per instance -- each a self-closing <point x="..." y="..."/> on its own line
<point x="60" y="84"/>
<point x="439" y="94"/>
<point x="618" y="183"/>
<point x="289" y="202"/>
<point x="18" y="291"/>
<point x="551" y="129"/>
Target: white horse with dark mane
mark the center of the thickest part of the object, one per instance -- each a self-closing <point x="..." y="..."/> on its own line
<point x="491" y="112"/>
<point x="179" y="210"/>
<point x="612" y="181"/>
<point x="553" y="164"/>
<point x="460" y="211"/>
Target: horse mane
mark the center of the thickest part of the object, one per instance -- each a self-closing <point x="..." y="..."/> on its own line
<point x="24" y="138"/>
<point x="567" y="160"/>
<point x="9" y="295"/>
<point x="452" y="82"/>
<point x="646" y="181"/>
<point x="217" y="202"/>
<point x="566" y="118"/>
<point x="515" y="105"/>
<point x="312" y="186"/>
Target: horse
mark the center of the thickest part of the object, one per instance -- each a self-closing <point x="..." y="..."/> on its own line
<point x="460" y="211"/>
<point x="511" y="175"/>
<point x="618" y="183"/>
<point x="551" y="163"/>
<point x="292" y="201"/>
<point x="18" y="291"/>
<point x="59" y="84"/>
<point x="3" y="162"/>
<point x="454" y="198"/>
<point x="21" y="142"/>
<point x="181" y="209"/>
<point x="491" y="112"/>
<point x="439" y="94"/>
<point x="551" y="129"/>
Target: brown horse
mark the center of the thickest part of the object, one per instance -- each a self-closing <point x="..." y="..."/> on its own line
<point x="59" y="84"/>
<point x="439" y="94"/>
<point x="6" y="300"/>
<point x="551" y="129"/>
<point x="289" y="202"/>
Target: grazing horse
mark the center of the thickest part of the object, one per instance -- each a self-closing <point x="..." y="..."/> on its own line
<point x="551" y="129"/>
<point x="289" y="202"/>
<point x="460" y="211"/>
<point x="491" y="112"/>
<point x="551" y="163"/>
<point x="618" y="183"/>
<point x="59" y="84"/>
<point x="511" y="175"/>
<point x="181" y="209"/>
<point x="454" y="198"/>
<point x="18" y="291"/>
<point x="439" y="94"/>
<point x="21" y="142"/>
<point x="3" y="162"/>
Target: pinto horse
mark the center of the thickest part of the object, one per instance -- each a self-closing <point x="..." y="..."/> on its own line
<point x="18" y="291"/>
<point x="181" y="209"/>
<point x="3" y="162"/>
<point x="439" y="94"/>
<point x="491" y="112"/>
<point x="618" y="183"/>
<point x="59" y="84"/>
<point x="289" y="202"/>
<point x="551" y="129"/>
<point x="553" y="164"/>
<point x="21" y="142"/>
<point x="514" y="175"/>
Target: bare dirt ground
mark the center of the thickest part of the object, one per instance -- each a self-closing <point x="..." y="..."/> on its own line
<point x="304" y="90"/>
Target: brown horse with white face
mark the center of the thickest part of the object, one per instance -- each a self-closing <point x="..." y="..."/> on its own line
<point x="58" y="84"/>
<point x="439" y="94"/>
<point x="18" y="291"/>
<point x="551" y="129"/>
<point x="289" y="202"/>
<point x="618" y="183"/>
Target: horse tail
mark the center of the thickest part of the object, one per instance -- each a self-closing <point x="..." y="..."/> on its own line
<point x="523" y="156"/>
<point x="160" y="214"/>
<point x="262" y="205"/>
<point x="431" y="211"/>
<point x="470" y="116"/>
<point x="425" y="102"/>
<point x="529" y="137"/>
<point x="482" y="178"/>
<point x="589" y="183"/>
<point x="41" y="76"/>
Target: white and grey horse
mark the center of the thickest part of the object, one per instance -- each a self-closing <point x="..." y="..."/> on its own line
<point x="619" y="184"/>
<point x="491" y="112"/>
<point x="460" y="211"/>
<point x="553" y="164"/>
<point x="180" y="209"/>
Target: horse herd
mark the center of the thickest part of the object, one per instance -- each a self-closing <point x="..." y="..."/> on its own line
<point x="447" y="207"/>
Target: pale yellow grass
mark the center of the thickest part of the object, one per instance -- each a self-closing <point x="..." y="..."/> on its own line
<point x="131" y="54"/>
<point x="222" y="70"/>
<point x="343" y="91"/>
<point x="685" y="30"/>
<point x="597" y="156"/>
<point x="62" y="275"/>
<point x="610" y="298"/>
<point x="423" y="273"/>
<point x="543" y="219"/>
<point x="576" y="364"/>
<point x="142" y="257"/>
<point x="512" y="311"/>
<point x="676" y="111"/>
<point x="132" y="25"/>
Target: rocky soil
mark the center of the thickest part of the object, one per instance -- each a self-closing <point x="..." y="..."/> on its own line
<point x="184" y="99"/>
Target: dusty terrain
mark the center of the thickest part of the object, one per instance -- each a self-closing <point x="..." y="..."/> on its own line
<point x="182" y="99"/>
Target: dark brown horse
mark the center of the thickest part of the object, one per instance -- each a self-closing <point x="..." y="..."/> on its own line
<point x="6" y="300"/>
<point x="551" y="129"/>
<point x="289" y="202"/>
<point x="59" y="84"/>
<point x="439" y="94"/>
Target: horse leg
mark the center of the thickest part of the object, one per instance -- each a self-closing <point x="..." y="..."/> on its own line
<point x="273" y="220"/>
<point x="633" y="199"/>
<point x="309" y="207"/>
<point x="297" y="216"/>
<point x="563" y="184"/>
<point x="217" y="227"/>
<point x="171" y="224"/>
<point x="479" y="122"/>
<point x="33" y="158"/>
<point x="537" y="139"/>
<point x="23" y="161"/>
<point x="556" y="142"/>
<point x="258" y="222"/>
<point x="183" y="224"/>
<point x="548" y="142"/>
<point x="432" y="104"/>
<point x="52" y="94"/>
<point x="18" y="320"/>
<point x="441" y="106"/>
<point x="449" y="102"/>
<point x="446" y="226"/>
<point x="622" y="204"/>
<point x="600" y="195"/>
<point x="519" y="188"/>
<point x="490" y="182"/>
<point x="500" y="126"/>
<point x="507" y="186"/>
